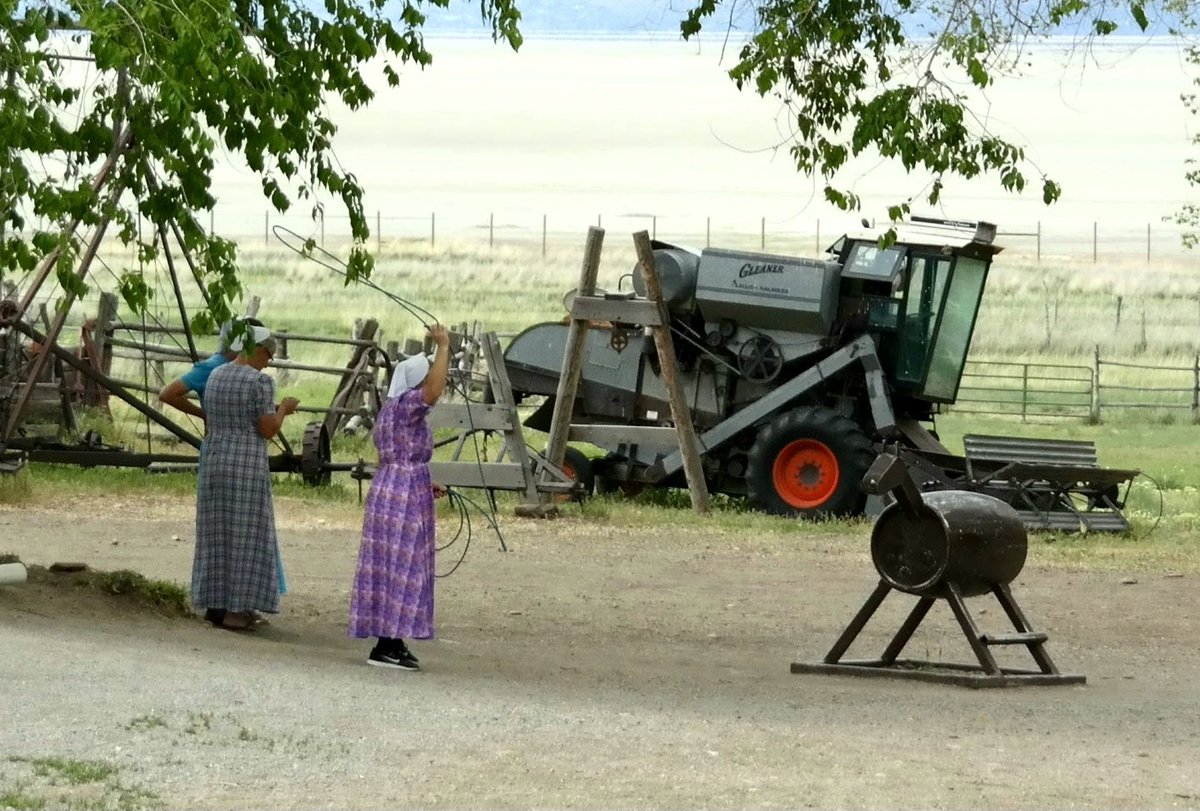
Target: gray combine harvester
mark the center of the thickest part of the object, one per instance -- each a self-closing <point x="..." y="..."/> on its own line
<point x="798" y="370"/>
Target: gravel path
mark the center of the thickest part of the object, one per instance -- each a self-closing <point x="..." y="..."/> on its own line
<point x="590" y="666"/>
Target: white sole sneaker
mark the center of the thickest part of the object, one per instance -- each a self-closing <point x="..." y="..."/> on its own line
<point x="411" y="668"/>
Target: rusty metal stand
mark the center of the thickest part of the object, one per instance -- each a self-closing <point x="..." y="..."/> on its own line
<point x="988" y="673"/>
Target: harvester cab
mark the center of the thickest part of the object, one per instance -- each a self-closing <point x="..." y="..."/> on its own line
<point x="795" y="370"/>
<point x="920" y="294"/>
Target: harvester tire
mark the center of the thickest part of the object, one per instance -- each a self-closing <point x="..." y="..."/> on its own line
<point x="578" y="467"/>
<point x="809" y="462"/>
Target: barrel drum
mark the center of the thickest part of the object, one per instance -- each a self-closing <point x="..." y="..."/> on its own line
<point x="969" y="539"/>
<point x="677" y="270"/>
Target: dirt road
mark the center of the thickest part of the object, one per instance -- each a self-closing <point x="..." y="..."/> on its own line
<point x="590" y="666"/>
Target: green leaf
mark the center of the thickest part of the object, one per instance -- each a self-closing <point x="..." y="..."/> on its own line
<point x="1138" y="10"/>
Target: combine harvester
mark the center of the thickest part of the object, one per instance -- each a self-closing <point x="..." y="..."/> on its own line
<point x="799" y="372"/>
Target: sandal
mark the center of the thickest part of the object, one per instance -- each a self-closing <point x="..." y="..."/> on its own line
<point x="236" y="621"/>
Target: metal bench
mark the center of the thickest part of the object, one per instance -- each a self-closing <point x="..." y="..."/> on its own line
<point x="1054" y="484"/>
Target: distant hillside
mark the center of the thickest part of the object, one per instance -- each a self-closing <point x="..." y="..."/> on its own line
<point x="614" y="17"/>
<point x="625" y="17"/>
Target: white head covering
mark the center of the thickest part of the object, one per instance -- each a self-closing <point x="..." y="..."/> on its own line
<point x="261" y="334"/>
<point x="408" y="374"/>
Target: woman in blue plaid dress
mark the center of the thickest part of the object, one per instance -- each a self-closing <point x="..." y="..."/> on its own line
<point x="235" y="569"/>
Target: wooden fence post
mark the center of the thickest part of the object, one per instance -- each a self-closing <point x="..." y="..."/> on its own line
<point x="1024" y="390"/>
<point x="282" y="376"/>
<point x="105" y="316"/>
<point x="1095" y="409"/>
<point x="1196" y="390"/>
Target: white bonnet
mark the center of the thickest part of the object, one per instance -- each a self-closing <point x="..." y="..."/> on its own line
<point x="408" y="374"/>
<point x="260" y="336"/>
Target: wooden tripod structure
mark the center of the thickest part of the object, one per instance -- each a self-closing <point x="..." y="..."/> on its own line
<point x="651" y="313"/>
<point x="14" y="314"/>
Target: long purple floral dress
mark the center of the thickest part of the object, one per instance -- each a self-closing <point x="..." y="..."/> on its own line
<point x="393" y="586"/>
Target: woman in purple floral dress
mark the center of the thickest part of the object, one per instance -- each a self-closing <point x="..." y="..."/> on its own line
<point x="393" y="585"/>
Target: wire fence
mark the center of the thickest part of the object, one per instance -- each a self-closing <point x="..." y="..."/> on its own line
<point x="1052" y="390"/>
<point x="1039" y="241"/>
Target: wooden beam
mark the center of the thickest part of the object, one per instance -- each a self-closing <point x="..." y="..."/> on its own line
<point x="594" y="308"/>
<point x="469" y="417"/>
<point x="60" y="318"/>
<point x="689" y="446"/>
<point x="122" y="143"/>
<point x="568" y="381"/>
<point x="602" y="435"/>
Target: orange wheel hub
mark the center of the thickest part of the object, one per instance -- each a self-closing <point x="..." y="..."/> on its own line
<point x="572" y="475"/>
<point x="805" y="474"/>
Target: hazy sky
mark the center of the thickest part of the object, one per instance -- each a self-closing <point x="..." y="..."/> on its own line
<point x="574" y="129"/>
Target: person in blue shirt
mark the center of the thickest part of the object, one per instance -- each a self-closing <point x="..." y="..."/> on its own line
<point x="175" y="393"/>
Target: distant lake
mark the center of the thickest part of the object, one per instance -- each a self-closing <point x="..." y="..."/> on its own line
<point x="576" y="129"/>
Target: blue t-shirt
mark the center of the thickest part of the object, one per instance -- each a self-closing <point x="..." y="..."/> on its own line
<point x="197" y="378"/>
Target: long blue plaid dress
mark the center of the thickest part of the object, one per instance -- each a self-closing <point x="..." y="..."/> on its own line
<point x="237" y="558"/>
<point x="393" y="585"/>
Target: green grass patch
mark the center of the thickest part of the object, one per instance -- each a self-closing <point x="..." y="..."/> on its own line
<point x="74" y="772"/>
<point x="55" y="481"/>
<point x="147" y="722"/>
<point x="62" y="782"/>
<point x="16" y="488"/>
<point x="160" y="595"/>
<point x="16" y="799"/>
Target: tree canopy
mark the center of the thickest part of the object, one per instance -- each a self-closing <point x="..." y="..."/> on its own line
<point x="187" y="80"/>
<point x="894" y="76"/>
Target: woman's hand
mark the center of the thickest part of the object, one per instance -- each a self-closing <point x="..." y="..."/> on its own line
<point x="439" y="490"/>
<point x="440" y="335"/>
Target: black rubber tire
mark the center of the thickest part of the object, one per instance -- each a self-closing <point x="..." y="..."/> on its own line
<point x="581" y="466"/>
<point x="849" y="445"/>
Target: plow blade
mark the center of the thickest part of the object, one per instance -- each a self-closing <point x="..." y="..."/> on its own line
<point x="1053" y="484"/>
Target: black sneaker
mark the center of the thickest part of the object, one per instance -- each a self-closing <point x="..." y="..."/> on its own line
<point x="404" y="651"/>
<point x="402" y="660"/>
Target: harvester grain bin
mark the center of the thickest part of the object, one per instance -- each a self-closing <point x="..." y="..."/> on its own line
<point x="794" y="368"/>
